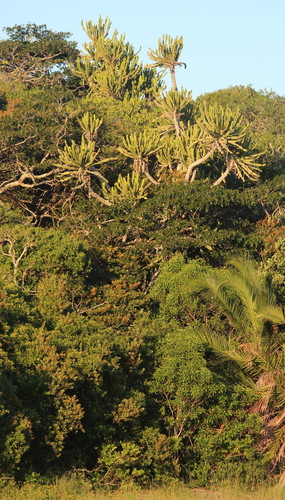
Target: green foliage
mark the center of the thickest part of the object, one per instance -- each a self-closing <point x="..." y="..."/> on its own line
<point x="247" y="299"/>
<point x="28" y="254"/>
<point x="189" y="148"/>
<point x="214" y="436"/>
<point x="78" y="162"/>
<point x="167" y="55"/>
<point x="225" y="447"/>
<point x="168" y="52"/>
<point x="264" y="112"/>
<point x="173" y="288"/>
<point x="226" y="133"/>
<point x="121" y="466"/>
<point x="276" y="266"/>
<point x="77" y="157"/>
<point x="36" y="55"/>
<point x="111" y="68"/>
<point x="140" y="146"/>
<point x="90" y="125"/>
<point x="181" y="381"/>
<point x="128" y="189"/>
<point x="128" y="351"/>
<point x="176" y="109"/>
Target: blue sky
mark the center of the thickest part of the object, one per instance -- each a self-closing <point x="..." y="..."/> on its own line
<point x="225" y="42"/>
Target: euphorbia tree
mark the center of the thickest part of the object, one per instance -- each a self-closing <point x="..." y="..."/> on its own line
<point x="226" y="133"/>
<point x="79" y="162"/>
<point x="167" y="55"/>
<point x="190" y="148"/>
<point x="110" y="66"/>
<point x="175" y="110"/>
<point x="139" y="147"/>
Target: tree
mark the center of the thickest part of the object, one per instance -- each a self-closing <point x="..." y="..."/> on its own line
<point x="34" y="124"/>
<point x="181" y="380"/>
<point x="246" y="297"/>
<point x="36" y="55"/>
<point x="176" y="110"/>
<point x="225" y="132"/>
<point x="190" y="148"/>
<point x="129" y="189"/>
<point x="111" y="68"/>
<point x="78" y="162"/>
<point x="265" y="114"/>
<point x="167" y="55"/>
<point x="139" y="147"/>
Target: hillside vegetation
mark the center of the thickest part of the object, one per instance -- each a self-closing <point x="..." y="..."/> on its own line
<point x="142" y="268"/>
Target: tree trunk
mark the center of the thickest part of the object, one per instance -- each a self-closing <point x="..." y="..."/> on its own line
<point x="176" y="124"/>
<point x="194" y="173"/>
<point x="173" y="79"/>
<point x="150" y="178"/>
<point x="92" y="194"/>
<point x="223" y="176"/>
<point x="197" y="163"/>
<point x="145" y="171"/>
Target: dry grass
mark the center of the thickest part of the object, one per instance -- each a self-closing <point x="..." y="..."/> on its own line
<point x="71" y="489"/>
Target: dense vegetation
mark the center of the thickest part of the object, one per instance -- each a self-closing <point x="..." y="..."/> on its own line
<point x="142" y="264"/>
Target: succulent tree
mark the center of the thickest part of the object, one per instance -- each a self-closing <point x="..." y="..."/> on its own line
<point x="79" y="162"/>
<point x="190" y="149"/>
<point x="175" y="110"/>
<point x="130" y="189"/>
<point x="139" y="147"/>
<point x="226" y="133"/>
<point x="166" y="156"/>
<point x="111" y="68"/>
<point x="167" y="55"/>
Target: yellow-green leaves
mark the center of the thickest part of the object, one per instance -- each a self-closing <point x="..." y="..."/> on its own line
<point x="131" y="189"/>
<point x="90" y="125"/>
<point x="111" y="67"/>
<point x="225" y="132"/>
<point x="175" y="107"/>
<point x="78" y="162"/>
<point x="167" y="55"/>
<point x="140" y="145"/>
<point x="168" y="51"/>
<point x="224" y="128"/>
<point x="77" y="156"/>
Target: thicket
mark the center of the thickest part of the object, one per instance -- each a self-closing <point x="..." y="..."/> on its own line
<point x="142" y="262"/>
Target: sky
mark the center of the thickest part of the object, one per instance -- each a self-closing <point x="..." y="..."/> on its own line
<point x="226" y="42"/>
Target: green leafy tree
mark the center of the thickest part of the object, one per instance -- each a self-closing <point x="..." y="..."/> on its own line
<point x="36" y="55"/>
<point x="34" y="126"/>
<point x="181" y="380"/>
